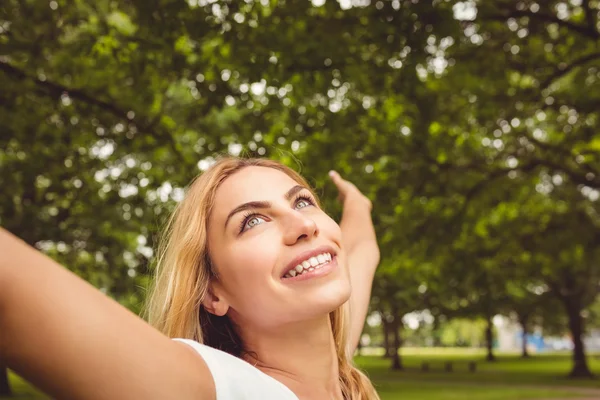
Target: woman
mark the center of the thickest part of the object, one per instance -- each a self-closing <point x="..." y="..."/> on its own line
<point x="250" y="266"/>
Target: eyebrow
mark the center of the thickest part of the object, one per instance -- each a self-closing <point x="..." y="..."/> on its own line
<point x="262" y="204"/>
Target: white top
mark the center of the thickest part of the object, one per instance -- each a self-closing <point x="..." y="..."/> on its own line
<point x="235" y="379"/>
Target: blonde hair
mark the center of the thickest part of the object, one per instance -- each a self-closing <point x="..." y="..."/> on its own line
<point x="184" y="271"/>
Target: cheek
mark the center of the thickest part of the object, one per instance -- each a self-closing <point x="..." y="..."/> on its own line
<point x="329" y="228"/>
<point x="247" y="270"/>
<point x="251" y="291"/>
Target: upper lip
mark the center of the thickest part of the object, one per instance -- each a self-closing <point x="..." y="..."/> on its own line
<point x="306" y="255"/>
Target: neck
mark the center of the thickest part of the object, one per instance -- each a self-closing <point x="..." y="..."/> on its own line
<point x="303" y="357"/>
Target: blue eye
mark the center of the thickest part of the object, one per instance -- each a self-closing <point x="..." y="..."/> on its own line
<point x="302" y="204"/>
<point x="251" y="221"/>
<point x="304" y="201"/>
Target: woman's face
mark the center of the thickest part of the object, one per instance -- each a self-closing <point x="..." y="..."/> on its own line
<point x="278" y="255"/>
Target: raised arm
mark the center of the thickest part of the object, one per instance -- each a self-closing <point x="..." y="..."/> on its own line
<point x="359" y="238"/>
<point x="75" y="343"/>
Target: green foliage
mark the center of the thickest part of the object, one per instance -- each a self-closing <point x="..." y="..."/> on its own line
<point x="475" y="133"/>
<point x="465" y="333"/>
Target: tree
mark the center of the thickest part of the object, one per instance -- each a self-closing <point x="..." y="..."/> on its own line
<point x="536" y="139"/>
<point x="397" y="291"/>
<point x="472" y="125"/>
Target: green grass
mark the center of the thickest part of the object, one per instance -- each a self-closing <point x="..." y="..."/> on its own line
<point x="541" y="377"/>
<point x="450" y="391"/>
<point x="538" y="370"/>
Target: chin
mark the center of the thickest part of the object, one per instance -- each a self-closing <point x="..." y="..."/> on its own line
<point x="330" y="297"/>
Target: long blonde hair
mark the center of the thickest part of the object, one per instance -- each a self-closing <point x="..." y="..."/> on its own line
<point x="184" y="272"/>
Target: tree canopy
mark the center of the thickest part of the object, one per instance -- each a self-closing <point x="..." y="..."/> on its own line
<point x="472" y="125"/>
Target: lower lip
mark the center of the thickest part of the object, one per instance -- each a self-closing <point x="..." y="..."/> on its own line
<point x="324" y="270"/>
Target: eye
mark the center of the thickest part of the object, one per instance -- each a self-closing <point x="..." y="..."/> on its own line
<point x="302" y="204"/>
<point x="250" y="222"/>
<point x="303" y="201"/>
<point x="253" y="221"/>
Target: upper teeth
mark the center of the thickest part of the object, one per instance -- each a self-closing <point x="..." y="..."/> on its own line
<point x="310" y="264"/>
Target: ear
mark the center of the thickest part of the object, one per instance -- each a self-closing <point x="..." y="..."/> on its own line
<point x="214" y="302"/>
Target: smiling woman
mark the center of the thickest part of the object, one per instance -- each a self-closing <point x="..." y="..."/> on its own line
<point x="253" y="279"/>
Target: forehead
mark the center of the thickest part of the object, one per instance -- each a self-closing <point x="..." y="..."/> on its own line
<point x="250" y="184"/>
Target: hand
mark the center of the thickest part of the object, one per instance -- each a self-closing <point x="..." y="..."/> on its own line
<point x="360" y="242"/>
<point x="349" y="193"/>
<point x="356" y="224"/>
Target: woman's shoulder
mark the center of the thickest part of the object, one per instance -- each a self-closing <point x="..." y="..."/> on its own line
<point x="235" y="379"/>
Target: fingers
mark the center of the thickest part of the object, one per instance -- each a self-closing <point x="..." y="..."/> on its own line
<point x="334" y="176"/>
<point x="348" y="190"/>
<point x="342" y="184"/>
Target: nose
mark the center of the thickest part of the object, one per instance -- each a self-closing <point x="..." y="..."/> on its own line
<point x="298" y="226"/>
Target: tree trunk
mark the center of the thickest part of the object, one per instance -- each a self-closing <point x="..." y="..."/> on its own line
<point x="396" y="360"/>
<point x="4" y="385"/>
<point x="385" y="324"/>
<point x="523" y="320"/>
<point x="580" y="367"/>
<point x="437" y="340"/>
<point x="489" y="340"/>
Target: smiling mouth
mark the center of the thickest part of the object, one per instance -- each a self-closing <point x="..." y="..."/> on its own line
<point x="311" y="264"/>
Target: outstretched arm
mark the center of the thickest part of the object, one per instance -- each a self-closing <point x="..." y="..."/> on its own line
<point x="360" y="241"/>
<point x="75" y="343"/>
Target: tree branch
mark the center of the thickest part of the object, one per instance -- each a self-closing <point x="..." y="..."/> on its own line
<point x="57" y="90"/>
<point x="589" y="14"/>
<point x="560" y="72"/>
<point x="573" y="175"/>
<point x="495" y="174"/>
<point x="482" y="184"/>
<point x="583" y="30"/>
<point x="563" y="151"/>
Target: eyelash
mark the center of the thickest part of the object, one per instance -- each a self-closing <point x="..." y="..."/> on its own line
<point x="249" y="214"/>
<point x="306" y="198"/>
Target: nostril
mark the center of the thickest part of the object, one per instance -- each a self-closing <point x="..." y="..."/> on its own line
<point x="303" y="236"/>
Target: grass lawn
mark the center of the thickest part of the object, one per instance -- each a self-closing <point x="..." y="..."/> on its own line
<point x="541" y="377"/>
<point x="510" y="378"/>
<point x="405" y="390"/>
